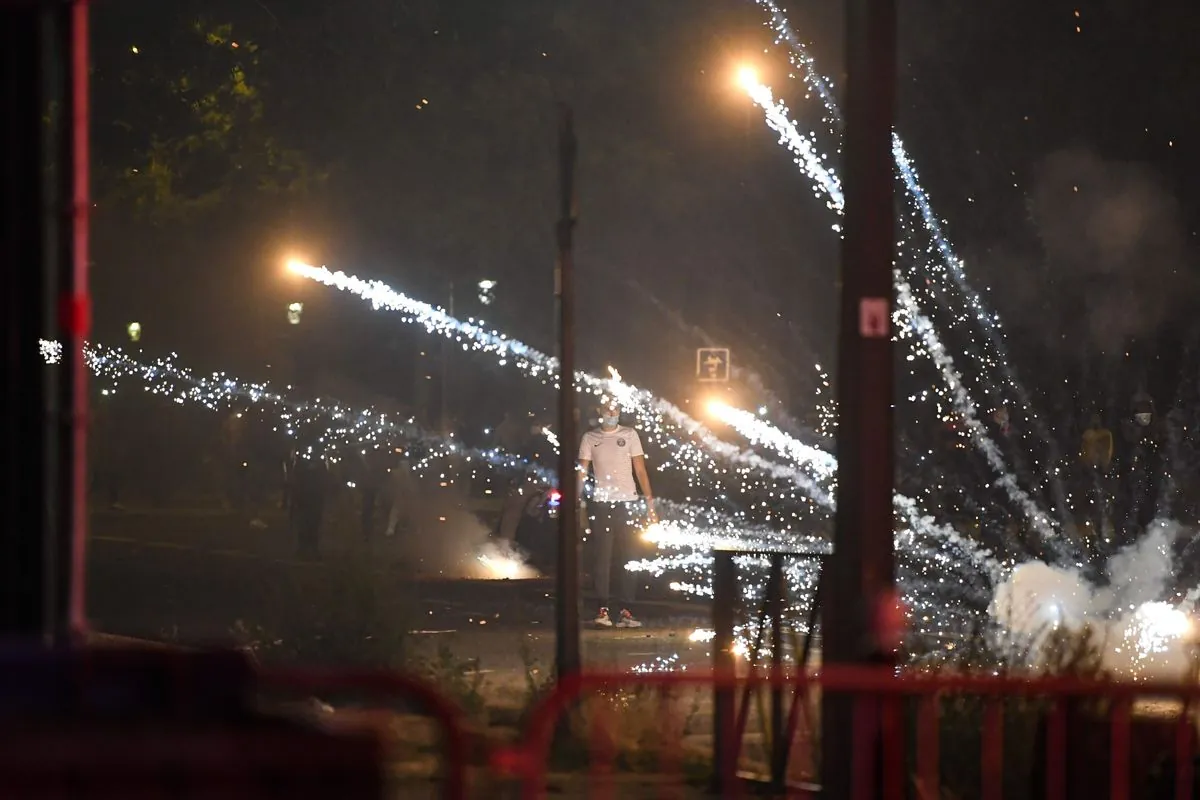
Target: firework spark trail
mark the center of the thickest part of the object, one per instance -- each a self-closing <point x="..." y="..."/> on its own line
<point x="803" y="61"/>
<point x="825" y="466"/>
<point x="759" y="431"/>
<point x="824" y="180"/>
<point x="651" y="411"/>
<point x="750" y="377"/>
<point x="927" y="575"/>
<point x="805" y="156"/>
<point x="685" y="527"/>
<point x="348" y="429"/>
<point x="966" y="408"/>
<point x="343" y="428"/>
<point x="989" y="323"/>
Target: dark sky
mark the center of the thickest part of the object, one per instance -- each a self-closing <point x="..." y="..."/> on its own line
<point x="1055" y="140"/>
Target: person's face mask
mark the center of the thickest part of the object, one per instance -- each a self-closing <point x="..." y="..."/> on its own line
<point x="609" y="421"/>
<point x="1142" y="419"/>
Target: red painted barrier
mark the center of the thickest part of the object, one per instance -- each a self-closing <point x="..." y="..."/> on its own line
<point x="1082" y="737"/>
<point x="915" y="736"/>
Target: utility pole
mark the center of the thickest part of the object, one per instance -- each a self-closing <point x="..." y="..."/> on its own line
<point x="862" y="571"/>
<point x="444" y="420"/>
<point x="567" y="657"/>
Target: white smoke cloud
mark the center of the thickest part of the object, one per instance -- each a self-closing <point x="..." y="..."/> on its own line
<point x="444" y="538"/>
<point x="1141" y="635"/>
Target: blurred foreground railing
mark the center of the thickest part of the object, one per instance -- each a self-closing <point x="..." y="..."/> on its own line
<point x="157" y="722"/>
<point x="116" y="722"/>
<point x="915" y="736"/>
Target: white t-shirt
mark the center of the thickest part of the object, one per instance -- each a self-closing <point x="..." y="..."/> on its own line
<point x="612" y="453"/>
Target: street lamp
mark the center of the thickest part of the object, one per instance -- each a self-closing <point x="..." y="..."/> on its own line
<point x="747" y="77"/>
<point x="487" y="292"/>
<point x="293" y="313"/>
<point x="134" y="329"/>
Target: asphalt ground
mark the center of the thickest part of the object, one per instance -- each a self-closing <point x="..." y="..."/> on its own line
<point x="201" y="576"/>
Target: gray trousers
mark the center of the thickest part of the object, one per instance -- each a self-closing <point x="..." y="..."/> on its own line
<point x="612" y="546"/>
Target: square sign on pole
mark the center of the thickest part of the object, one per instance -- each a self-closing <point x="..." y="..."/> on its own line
<point x="712" y="364"/>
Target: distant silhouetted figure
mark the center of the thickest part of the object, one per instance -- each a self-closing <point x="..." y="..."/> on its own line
<point x="1096" y="450"/>
<point x="401" y="494"/>
<point x="373" y="476"/>
<point x="309" y="488"/>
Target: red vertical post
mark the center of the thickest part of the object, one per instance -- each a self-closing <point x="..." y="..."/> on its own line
<point x="75" y="326"/>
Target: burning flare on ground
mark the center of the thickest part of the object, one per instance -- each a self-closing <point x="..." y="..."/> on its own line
<point x="498" y="562"/>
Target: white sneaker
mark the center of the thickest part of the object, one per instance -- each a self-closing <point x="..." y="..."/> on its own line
<point x="603" y="619"/>
<point x="626" y="620"/>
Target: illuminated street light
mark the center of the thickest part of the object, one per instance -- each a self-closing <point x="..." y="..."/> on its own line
<point x="487" y="292"/>
<point x="293" y="313"/>
<point x="716" y="408"/>
<point x="134" y="329"/>
<point x="747" y="77"/>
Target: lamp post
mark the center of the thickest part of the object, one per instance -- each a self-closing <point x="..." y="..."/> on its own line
<point x="487" y="295"/>
<point x="568" y="660"/>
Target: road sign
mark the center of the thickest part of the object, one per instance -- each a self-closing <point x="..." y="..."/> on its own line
<point x="873" y="320"/>
<point x="712" y="364"/>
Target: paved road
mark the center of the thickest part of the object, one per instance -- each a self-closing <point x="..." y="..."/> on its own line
<point x="191" y="577"/>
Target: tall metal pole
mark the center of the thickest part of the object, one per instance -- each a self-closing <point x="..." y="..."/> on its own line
<point x="444" y="417"/>
<point x="861" y="567"/>
<point x="567" y="654"/>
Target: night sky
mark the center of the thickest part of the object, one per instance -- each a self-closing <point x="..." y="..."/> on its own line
<point x="1054" y="139"/>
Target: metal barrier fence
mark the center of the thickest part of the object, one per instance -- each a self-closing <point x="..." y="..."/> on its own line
<point x="1052" y="737"/>
<point x="915" y="735"/>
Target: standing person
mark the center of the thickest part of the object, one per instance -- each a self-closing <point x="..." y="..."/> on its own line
<point x="508" y="434"/>
<point x="373" y="469"/>
<point x="401" y="494"/>
<point x="309" y="486"/>
<point x="614" y="454"/>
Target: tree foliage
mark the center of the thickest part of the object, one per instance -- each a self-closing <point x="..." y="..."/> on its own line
<point x="183" y="128"/>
